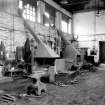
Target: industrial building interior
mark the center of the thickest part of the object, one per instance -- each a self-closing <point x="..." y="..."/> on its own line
<point x="52" y="52"/>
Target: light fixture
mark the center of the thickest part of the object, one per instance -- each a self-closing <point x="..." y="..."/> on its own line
<point x="64" y="2"/>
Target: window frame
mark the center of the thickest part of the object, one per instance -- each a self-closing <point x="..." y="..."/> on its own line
<point x="51" y="11"/>
<point x="29" y="10"/>
<point x="68" y="21"/>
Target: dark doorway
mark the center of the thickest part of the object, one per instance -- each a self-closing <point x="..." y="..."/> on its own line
<point x="102" y="51"/>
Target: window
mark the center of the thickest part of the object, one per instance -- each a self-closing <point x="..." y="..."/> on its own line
<point x="49" y="16"/>
<point x="66" y="24"/>
<point x="38" y="12"/>
<point x="29" y="11"/>
<point x="20" y="4"/>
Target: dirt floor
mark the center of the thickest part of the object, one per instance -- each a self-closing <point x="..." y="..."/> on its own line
<point x="89" y="90"/>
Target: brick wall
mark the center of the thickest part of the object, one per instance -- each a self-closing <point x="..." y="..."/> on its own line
<point x="11" y="30"/>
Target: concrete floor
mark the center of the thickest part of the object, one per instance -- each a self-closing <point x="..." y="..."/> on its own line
<point x="90" y="90"/>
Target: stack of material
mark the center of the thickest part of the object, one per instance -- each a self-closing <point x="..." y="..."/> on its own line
<point x="8" y="97"/>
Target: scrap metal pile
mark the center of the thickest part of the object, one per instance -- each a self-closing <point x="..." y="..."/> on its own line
<point x="66" y="79"/>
